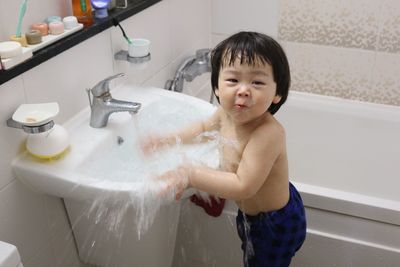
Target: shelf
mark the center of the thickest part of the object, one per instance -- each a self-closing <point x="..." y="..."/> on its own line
<point x="99" y="25"/>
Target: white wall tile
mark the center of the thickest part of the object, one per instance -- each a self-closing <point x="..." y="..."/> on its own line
<point x="44" y="258"/>
<point x="152" y="24"/>
<point x="168" y="72"/>
<point x="212" y="241"/>
<point x="190" y="22"/>
<point x="23" y="220"/>
<point x="62" y="240"/>
<point x="64" y="78"/>
<point x="11" y="139"/>
<point x="230" y="16"/>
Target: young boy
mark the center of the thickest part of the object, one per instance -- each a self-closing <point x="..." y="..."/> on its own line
<point x="250" y="78"/>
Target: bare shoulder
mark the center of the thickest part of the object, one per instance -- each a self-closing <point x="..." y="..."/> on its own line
<point x="214" y="121"/>
<point x="270" y="130"/>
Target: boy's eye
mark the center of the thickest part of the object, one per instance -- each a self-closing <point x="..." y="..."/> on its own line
<point x="258" y="83"/>
<point x="232" y="80"/>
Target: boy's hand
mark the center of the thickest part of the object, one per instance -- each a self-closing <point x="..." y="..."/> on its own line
<point x="153" y="143"/>
<point x="176" y="181"/>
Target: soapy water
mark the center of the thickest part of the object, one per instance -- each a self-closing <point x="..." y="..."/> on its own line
<point x="120" y="164"/>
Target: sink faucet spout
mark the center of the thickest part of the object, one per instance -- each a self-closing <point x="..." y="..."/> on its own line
<point x="103" y="105"/>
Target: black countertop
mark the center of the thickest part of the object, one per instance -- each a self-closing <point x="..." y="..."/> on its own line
<point x="99" y="25"/>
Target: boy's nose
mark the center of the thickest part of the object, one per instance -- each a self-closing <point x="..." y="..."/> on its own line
<point x="243" y="91"/>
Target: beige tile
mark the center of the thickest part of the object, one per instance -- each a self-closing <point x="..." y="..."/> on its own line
<point x="340" y="72"/>
<point x="11" y="139"/>
<point x="386" y="81"/>
<point x="389" y="28"/>
<point x="64" y="78"/>
<point x="343" y="23"/>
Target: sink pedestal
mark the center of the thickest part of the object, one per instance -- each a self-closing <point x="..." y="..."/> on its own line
<point x="103" y="242"/>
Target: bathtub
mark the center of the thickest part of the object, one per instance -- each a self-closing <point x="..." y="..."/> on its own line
<point x="344" y="158"/>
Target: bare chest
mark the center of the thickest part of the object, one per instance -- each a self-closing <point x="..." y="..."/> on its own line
<point x="231" y="147"/>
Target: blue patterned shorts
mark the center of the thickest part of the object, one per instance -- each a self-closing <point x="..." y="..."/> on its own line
<point x="271" y="239"/>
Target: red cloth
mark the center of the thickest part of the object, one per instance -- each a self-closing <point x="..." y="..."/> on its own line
<point x="213" y="207"/>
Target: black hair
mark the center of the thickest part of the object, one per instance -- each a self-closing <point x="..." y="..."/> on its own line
<point x="250" y="47"/>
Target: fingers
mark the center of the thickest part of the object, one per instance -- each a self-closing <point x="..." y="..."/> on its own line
<point x="150" y="145"/>
<point x="175" y="183"/>
<point x="154" y="143"/>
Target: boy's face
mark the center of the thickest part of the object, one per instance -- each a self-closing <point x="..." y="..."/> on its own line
<point x="246" y="92"/>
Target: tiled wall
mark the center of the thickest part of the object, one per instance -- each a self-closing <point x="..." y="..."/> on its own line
<point x="37" y="224"/>
<point x="348" y="49"/>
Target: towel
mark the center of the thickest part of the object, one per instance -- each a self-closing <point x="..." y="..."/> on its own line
<point x="213" y="207"/>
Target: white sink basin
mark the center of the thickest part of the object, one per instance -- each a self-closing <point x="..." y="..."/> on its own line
<point x="108" y="160"/>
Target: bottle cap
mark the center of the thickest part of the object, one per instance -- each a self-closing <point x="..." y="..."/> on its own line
<point x="33" y="37"/>
<point x="53" y="18"/>
<point x="42" y="27"/>
<point x="101" y="13"/>
<point x="70" y="22"/>
<point x="56" y="27"/>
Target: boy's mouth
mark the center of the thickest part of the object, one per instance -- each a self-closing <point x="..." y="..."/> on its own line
<point x="240" y="105"/>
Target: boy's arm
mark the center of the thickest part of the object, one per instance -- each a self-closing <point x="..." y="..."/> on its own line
<point x="186" y="135"/>
<point x="259" y="155"/>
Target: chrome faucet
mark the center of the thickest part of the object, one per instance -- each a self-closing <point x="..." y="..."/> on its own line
<point x="190" y="68"/>
<point x="102" y="104"/>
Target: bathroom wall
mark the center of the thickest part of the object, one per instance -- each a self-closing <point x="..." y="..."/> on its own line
<point x="37" y="224"/>
<point x="347" y="49"/>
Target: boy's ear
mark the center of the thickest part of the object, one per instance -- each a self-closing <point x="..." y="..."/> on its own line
<point x="216" y="91"/>
<point x="276" y="99"/>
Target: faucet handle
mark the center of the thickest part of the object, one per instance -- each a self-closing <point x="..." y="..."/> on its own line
<point x="103" y="86"/>
<point x="203" y="54"/>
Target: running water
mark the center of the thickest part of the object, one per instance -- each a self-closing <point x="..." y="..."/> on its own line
<point x="120" y="164"/>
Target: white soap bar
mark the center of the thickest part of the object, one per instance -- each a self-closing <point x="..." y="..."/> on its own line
<point x="10" y="49"/>
<point x="11" y="62"/>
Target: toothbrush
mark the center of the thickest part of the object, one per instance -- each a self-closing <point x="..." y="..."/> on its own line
<point x="21" y="15"/>
<point x="116" y="23"/>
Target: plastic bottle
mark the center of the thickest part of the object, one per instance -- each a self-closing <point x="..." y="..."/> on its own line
<point x="100" y="8"/>
<point x="82" y="10"/>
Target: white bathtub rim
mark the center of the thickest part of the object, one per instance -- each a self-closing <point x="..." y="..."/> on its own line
<point x="353" y="204"/>
<point x="341" y="105"/>
<point x="366" y="207"/>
